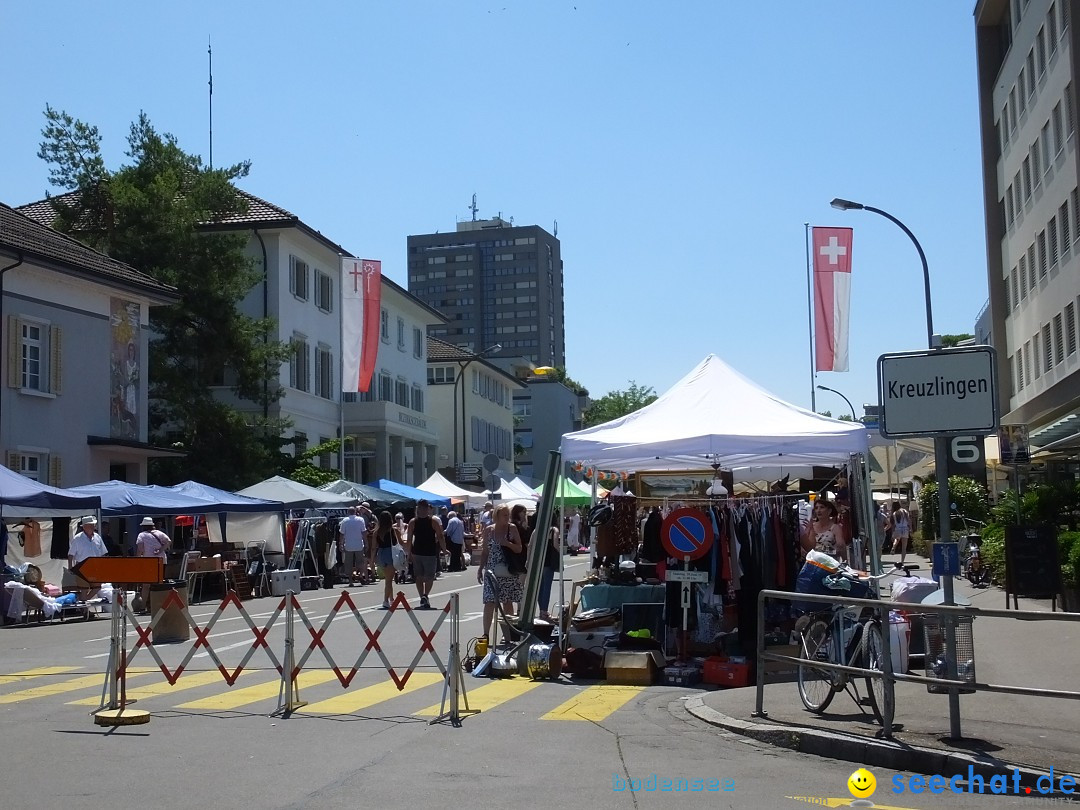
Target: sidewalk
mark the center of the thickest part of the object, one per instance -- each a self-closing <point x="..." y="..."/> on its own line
<point x="1000" y="731"/>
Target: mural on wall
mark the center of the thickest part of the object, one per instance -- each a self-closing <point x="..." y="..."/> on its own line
<point x="124" y="325"/>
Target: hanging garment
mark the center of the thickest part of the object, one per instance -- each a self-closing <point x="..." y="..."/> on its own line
<point x="624" y="523"/>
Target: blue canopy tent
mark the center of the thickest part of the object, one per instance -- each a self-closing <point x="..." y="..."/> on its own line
<point x="121" y="499"/>
<point x="26" y="494"/>
<point x="377" y="499"/>
<point x="410" y="492"/>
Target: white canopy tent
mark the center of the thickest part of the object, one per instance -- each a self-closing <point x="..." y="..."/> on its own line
<point x="716" y="415"/>
<point x="440" y="485"/>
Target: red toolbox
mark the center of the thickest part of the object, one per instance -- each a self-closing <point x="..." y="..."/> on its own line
<point x="724" y="672"/>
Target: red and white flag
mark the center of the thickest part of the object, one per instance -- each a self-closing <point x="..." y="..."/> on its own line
<point x="832" y="297"/>
<point x="361" y="320"/>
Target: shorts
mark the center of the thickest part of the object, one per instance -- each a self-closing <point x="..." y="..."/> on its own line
<point x="354" y="561"/>
<point x="424" y="567"/>
<point x="384" y="560"/>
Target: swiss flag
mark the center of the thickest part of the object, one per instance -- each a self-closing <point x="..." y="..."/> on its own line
<point x="832" y="297"/>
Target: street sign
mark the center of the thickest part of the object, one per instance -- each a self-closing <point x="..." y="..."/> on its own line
<point x="470" y="474"/>
<point x="128" y="570"/>
<point x="946" y="559"/>
<point x="687" y="593"/>
<point x="493" y="483"/>
<point x="491" y="462"/>
<point x="938" y="392"/>
<point x="687" y="533"/>
<point x="686" y="576"/>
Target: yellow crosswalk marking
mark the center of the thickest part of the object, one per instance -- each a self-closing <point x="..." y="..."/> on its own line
<point x="191" y="681"/>
<point x="594" y="703"/>
<point x="354" y="700"/>
<point x="236" y="698"/>
<point x="70" y="685"/>
<point x="488" y="696"/>
<point x="27" y="674"/>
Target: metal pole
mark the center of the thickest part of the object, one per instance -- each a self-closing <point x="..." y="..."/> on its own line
<point x="941" y="462"/>
<point x="925" y="268"/>
<point x="810" y="319"/>
<point x="114" y="651"/>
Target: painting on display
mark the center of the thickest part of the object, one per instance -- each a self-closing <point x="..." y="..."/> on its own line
<point x="124" y="416"/>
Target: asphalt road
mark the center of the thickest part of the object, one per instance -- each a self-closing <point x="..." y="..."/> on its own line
<point x="533" y="744"/>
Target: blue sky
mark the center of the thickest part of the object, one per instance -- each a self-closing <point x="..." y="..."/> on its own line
<point x="680" y="146"/>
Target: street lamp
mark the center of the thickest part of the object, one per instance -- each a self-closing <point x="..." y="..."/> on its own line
<point x="848" y="401"/>
<point x="848" y="205"/>
<point x="463" y="364"/>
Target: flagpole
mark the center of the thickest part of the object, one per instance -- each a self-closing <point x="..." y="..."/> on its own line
<point x="810" y="320"/>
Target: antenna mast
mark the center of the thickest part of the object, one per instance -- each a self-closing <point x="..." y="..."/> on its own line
<point x="210" y="57"/>
<point x="473" y="207"/>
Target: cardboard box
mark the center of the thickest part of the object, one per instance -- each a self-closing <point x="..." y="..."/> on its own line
<point x="204" y="564"/>
<point x="632" y="668"/>
<point x="724" y="672"/>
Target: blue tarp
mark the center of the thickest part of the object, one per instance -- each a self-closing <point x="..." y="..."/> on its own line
<point x="410" y="492"/>
<point x="18" y="490"/>
<point x="121" y="499"/>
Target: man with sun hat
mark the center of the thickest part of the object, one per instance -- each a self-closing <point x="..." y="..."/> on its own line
<point x="84" y="545"/>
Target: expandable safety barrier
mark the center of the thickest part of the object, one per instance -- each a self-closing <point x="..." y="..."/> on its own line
<point x="289" y="667"/>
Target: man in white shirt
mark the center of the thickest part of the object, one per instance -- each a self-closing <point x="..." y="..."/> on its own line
<point x="86" y="544"/>
<point x="353" y="532"/>
<point x="151" y="542"/>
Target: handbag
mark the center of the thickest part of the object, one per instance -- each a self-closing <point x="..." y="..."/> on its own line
<point x="400" y="558"/>
<point x="500" y="570"/>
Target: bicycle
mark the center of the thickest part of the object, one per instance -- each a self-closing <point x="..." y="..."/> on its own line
<point x="850" y="636"/>
<point x="972" y="567"/>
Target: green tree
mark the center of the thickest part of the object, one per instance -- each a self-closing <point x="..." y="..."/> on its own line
<point x="949" y="341"/>
<point x="148" y="213"/>
<point x="560" y="374"/>
<point x="618" y="403"/>
<point x="969" y="497"/>
<point x="302" y="467"/>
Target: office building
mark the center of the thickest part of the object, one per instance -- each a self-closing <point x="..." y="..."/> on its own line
<point x="497" y="283"/>
<point x="1027" y="63"/>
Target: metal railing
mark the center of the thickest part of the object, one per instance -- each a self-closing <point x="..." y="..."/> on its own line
<point x="883" y="607"/>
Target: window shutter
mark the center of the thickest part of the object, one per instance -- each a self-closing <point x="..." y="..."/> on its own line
<point x="13" y="460"/>
<point x="14" y="360"/>
<point x="55" y="361"/>
<point x="55" y="470"/>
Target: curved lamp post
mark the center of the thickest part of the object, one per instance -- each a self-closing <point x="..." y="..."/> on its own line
<point x="848" y="401"/>
<point x="462" y="365"/>
<point x="848" y="205"/>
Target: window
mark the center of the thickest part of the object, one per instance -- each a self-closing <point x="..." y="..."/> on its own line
<point x="1020" y="368"/>
<point x="418" y="342"/>
<point x="1011" y="107"/>
<point x="386" y="388"/>
<point x="324" y="372"/>
<point x="1009" y="213"/>
<point x="1023" y="277"/>
<point x="384" y="330"/>
<point x="1055" y="122"/>
<point x="1031" y="265"/>
<point x="1040" y="51"/>
<point x="1063" y="219"/>
<point x="1070" y="118"/>
<point x="1052" y="227"/>
<point x="523" y="407"/>
<point x="1027" y="178"/>
<point x="1036" y="163"/>
<point x="1015" y="297"/>
<point x="524" y="439"/>
<point x="299" y="443"/>
<point x="1036" y="365"/>
<point x="418" y="399"/>
<point x="1047" y="148"/>
<point x="299" y="364"/>
<point x="401" y="333"/>
<point x="1070" y="328"/>
<point x="326" y="460"/>
<point x="1031" y="71"/>
<point x="401" y="391"/>
<point x="1041" y="239"/>
<point x="298" y="278"/>
<point x="1064" y="15"/>
<point x="1059" y="340"/>
<point x="1048" y="349"/>
<point x="1074" y="198"/>
<point x="1022" y="100"/>
<point x="1051" y="28"/>
<point x="1005" y="126"/>
<point x="324" y="292"/>
<point x="34" y="355"/>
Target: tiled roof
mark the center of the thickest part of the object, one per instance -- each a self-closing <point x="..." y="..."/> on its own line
<point x="440" y="351"/>
<point x="23" y="235"/>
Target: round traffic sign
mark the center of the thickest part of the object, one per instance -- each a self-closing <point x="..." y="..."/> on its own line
<point x="687" y="532"/>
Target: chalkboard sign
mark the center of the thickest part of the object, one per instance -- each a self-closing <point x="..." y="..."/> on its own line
<point x="1031" y="562"/>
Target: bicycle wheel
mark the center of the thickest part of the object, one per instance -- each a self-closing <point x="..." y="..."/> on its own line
<point x="874" y="658"/>
<point x="816" y="684"/>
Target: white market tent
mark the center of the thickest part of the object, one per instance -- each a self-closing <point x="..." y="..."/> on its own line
<point x="440" y="485"/>
<point x="716" y="415"/>
<point x="522" y="487"/>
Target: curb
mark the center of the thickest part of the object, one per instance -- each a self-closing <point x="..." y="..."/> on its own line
<point x="867" y="751"/>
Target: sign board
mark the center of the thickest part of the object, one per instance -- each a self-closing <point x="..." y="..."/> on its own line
<point x="938" y="392"/>
<point x="493" y="483"/>
<point x="1013" y="444"/>
<point x="967" y="457"/>
<point x="686" y="576"/>
<point x="491" y="462"/>
<point x="470" y="474"/>
<point x="126" y="570"/>
<point x="1031" y="562"/>
<point x="945" y="559"/>
<point x="687" y="533"/>
<point x="687" y="595"/>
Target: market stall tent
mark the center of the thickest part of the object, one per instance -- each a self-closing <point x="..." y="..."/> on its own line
<point x="568" y="493"/>
<point x="294" y="495"/>
<point x="28" y="496"/>
<point x="441" y="486"/>
<point x="715" y="415"/>
<point x="377" y="499"/>
<point x="411" y="492"/>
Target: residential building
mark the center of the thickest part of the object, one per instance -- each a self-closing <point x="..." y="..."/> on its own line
<point x="75" y="329"/>
<point x="474" y="398"/>
<point x="1027" y="75"/>
<point x="497" y="283"/>
<point x="388" y="434"/>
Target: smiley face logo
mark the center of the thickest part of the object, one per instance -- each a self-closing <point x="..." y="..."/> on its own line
<point x="862" y="784"/>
